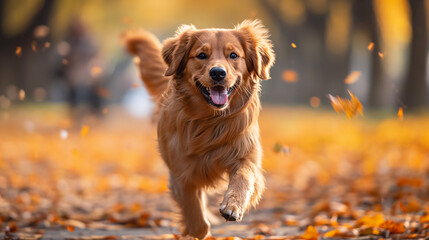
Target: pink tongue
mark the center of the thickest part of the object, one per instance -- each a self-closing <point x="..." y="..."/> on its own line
<point x="218" y="95"/>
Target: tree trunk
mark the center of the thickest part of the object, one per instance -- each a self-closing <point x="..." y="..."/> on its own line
<point x="365" y="20"/>
<point x="415" y="88"/>
<point x="14" y="68"/>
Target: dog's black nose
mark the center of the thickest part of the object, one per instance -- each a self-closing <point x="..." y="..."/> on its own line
<point x="217" y="73"/>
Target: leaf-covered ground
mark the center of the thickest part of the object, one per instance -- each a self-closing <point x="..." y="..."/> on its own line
<point x="328" y="177"/>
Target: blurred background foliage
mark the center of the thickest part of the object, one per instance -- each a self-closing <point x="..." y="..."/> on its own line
<point x="67" y="50"/>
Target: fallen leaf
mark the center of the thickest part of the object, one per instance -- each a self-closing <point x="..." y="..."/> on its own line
<point x="393" y="227"/>
<point x="310" y="234"/>
<point x="70" y="228"/>
<point x="424" y="218"/>
<point x="374" y="220"/>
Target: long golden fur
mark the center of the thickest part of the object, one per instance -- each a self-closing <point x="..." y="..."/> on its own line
<point x="208" y="128"/>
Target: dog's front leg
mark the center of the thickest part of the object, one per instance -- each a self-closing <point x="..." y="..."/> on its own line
<point x="246" y="184"/>
<point x="191" y="201"/>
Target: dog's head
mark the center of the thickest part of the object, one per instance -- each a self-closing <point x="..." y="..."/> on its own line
<point x="216" y="66"/>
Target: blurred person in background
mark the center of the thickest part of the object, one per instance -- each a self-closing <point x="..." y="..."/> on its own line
<point x="81" y="70"/>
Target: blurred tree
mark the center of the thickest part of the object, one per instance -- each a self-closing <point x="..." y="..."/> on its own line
<point x="14" y="69"/>
<point x="365" y="20"/>
<point x="415" y="93"/>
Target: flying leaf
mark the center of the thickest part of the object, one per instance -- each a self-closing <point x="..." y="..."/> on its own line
<point x="400" y="113"/>
<point x="352" y="77"/>
<point x="290" y="76"/>
<point x="293" y="45"/>
<point x="18" y="50"/>
<point x="370" y="46"/>
<point x="349" y="107"/>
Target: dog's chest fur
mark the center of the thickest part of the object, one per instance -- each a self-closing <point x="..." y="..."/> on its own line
<point x="207" y="147"/>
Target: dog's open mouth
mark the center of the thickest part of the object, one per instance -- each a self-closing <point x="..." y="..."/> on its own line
<point x="216" y="95"/>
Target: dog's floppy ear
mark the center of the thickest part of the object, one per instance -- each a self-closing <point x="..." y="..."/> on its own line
<point x="258" y="48"/>
<point x="176" y="49"/>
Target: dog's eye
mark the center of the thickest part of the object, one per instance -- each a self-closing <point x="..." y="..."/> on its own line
<point x="202" y="56"/>
<point x="233" y="55"/>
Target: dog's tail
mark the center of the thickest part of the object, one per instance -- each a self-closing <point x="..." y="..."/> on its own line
<point x="147" y="49"/>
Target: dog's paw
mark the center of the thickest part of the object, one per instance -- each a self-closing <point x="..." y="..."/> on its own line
<point x="231" y="210"/>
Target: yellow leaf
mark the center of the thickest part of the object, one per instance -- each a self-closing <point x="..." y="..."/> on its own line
<point x="380" y="54"/>
<point x="293" y="45"/>
<point x="310" y="234"/>
<point x="332" y="233"/>
<point x="370" y="220"/>
<point x="349" y="107"/>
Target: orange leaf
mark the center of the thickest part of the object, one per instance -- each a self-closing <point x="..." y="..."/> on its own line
<point x="400" y="113"/>
<point x="380" y="54"/>
<point x="70" y="228"/>
<point x="34" y="46"/>
<point x="349" y="107"/>
<point x="370" y="220"/>
<point x="310" y="234"/>
<point x="424" y="219"/>
<point x="18" y="50"/>
<point x="393" y="227"/>
<point x="332" y="233"/>
<point x="352" y="77"/>
<point x="370" y="46"/>
<point x="293" y="45"/>
<point x="290" y="76"/>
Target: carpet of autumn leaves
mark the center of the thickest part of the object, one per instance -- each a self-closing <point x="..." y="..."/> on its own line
<point x="328" y="177"/>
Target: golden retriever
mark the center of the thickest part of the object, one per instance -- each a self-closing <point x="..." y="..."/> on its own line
<point x="206" y="83"/>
